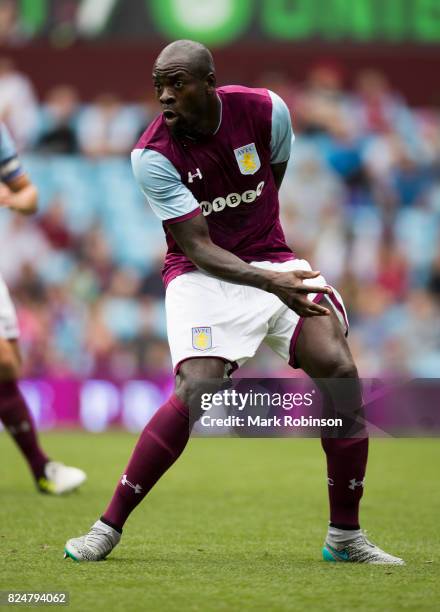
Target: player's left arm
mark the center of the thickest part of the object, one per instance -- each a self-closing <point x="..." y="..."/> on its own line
<point x="19" y="195"/>
<point x="16" y="190"/>
<point x="281" y="138"/>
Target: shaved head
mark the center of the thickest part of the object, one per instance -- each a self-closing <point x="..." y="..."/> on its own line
<point x="193" y="56"/>
<point x="185" y="85"/>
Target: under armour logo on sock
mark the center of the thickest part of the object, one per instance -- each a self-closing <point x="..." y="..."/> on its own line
<point x="355" y="483"/>
<point x="22" y="427"/>
<point x="137" y="488"/>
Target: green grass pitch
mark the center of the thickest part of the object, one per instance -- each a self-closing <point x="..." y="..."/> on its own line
<point x="236" y="524"/>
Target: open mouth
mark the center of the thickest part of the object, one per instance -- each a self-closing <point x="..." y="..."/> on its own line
<point x="169" y="116"/>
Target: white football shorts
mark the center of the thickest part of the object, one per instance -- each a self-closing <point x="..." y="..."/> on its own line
<point x="8" y="316"/>
<point x="208" y="317"/>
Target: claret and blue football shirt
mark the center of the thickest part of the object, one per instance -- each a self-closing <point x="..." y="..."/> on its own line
<point x="226" y="176"/>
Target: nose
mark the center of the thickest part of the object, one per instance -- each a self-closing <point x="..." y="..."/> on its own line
<point x="167" y="96"/>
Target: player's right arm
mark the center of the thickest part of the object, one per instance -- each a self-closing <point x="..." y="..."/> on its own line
<point x="176" y="206"/>
<point x="16" y="190"/>
<point x="193" y="238"/>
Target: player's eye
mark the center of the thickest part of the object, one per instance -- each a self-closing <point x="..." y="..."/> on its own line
<point x="178" y="84"/>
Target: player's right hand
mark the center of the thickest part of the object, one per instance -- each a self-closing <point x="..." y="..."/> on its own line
<point x="291" y="290"/>
<point x="7" y="196"/>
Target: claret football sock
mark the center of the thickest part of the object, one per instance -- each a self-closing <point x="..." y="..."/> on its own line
<point x="346" y="465"/>
<point x="160" y="444"/>
<point x="17" y="419"/>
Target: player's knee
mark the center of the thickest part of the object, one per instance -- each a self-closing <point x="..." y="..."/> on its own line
<point x="190" y="390"/>
<point x="346" y="369"/>
<point x="9" y="367"/>
<point x="337" y="366"/>
<point x="195" y="377"/>
<point x="186" y="389"/>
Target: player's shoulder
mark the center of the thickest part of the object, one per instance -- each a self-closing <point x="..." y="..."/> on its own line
<point x="9" y="162"/>
<point x="252" y="102"/>
<point x="156" y="136"/>
<point x="7" y="147"/>
<point x="150" y="157"/>
<point x="240" y="93"/>
<point x="3" y="130"/>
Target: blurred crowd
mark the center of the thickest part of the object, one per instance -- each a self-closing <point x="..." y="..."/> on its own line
<point x="360" y="201"/>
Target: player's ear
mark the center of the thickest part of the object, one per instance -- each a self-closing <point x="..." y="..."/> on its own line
<point x="211" y="82"/>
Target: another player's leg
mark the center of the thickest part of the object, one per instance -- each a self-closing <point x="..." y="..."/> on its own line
<point x="323" y="353"/>
<point x="50" y="476"/>
<point x="160" y="444"/>
<point x="14" y="413"/>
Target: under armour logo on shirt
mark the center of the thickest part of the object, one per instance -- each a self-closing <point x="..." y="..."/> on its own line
<point x="137" y="488"/>
<point x="191" y="177"/>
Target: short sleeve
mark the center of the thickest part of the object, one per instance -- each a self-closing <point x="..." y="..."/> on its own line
<point x="10" y="166"/>
<point x="161" y="184"/>
<point x="282" y="133"/>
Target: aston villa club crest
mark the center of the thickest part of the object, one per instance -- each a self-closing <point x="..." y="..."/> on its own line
<point x="247" y="158"/>
<point x="201" y="338"/>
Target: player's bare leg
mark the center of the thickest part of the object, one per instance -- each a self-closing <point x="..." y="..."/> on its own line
<point x="323" y="353"/>
<point x="50" y="476"/>
<point x="159" y="445"/>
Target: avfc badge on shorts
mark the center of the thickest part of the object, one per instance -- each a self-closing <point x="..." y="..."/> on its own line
<point x="201" y="338"/>
<point x="247" y="159"/>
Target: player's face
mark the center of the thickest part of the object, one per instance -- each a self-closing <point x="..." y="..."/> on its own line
<point x="183" y="98"/>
